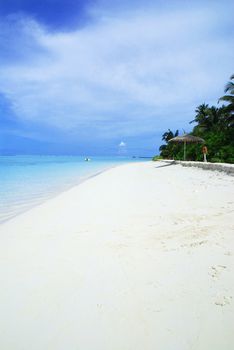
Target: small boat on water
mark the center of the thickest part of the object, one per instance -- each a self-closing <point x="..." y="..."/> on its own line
<point x="87" y="159"/>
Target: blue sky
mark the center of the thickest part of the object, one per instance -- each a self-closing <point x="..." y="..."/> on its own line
<point x="108" y="77"/>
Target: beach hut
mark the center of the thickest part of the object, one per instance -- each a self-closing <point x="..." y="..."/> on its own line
<point x="187" y="138"/>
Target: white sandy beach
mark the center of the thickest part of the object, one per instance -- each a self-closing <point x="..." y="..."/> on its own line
<point x="138" y="257"/>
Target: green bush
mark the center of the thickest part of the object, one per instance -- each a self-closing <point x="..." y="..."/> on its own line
<point x="155" y="158"/>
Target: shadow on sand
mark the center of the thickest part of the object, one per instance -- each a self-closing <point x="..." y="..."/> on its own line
<point x="168" y="164"/>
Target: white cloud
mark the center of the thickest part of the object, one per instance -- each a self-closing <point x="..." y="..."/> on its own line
<point x="122" y="75"/>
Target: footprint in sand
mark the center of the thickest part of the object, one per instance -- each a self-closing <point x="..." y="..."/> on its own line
<point x="223" y="300"/>
<point x="194" y="244"/>
<point x="215" y="271"/>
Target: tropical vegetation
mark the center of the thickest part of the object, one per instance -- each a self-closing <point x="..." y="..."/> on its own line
<point x="215" y="124"/>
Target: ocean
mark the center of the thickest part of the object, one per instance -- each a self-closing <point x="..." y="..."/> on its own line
<point x="26" y="181"/>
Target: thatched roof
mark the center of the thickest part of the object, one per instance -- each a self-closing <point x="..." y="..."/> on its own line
<point x="187" y="138"/>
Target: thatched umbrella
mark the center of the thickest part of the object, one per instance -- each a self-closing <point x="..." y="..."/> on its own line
<point x="187" y="138"/>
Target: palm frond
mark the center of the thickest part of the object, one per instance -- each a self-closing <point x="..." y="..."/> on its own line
<point x="229" y="98"/>
<point x="229" y="87"/>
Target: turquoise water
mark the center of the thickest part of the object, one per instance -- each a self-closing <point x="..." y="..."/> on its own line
<point x="26" y="181"/>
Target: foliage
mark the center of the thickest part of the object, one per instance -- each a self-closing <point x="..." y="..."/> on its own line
<point x="229" y="88"/>
<point x="157" y="158"/>
<point x="215" y="125"/>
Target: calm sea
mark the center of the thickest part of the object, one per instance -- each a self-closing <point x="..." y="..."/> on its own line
<point x="26" y="181"/>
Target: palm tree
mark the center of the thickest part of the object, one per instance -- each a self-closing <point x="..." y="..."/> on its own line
<point x="202" y="117"/>
<point x="168" y="150"/>
<point x="169" y="135"/>
<point x="229" y="88"/>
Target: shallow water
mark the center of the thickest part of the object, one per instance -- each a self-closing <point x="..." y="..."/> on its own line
<point x="26" y="181"/>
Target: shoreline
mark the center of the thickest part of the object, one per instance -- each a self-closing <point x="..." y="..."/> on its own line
<point x="140" y="256"/>
<point x="53" y="195"/>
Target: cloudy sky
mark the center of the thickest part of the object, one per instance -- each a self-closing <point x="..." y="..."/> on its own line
<point x="108" y="77"/>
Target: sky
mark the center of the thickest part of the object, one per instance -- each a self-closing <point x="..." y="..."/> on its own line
<point x="103" y="77"/>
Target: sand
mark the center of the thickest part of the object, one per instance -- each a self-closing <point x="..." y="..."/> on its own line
<point x="139" y="257"/>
